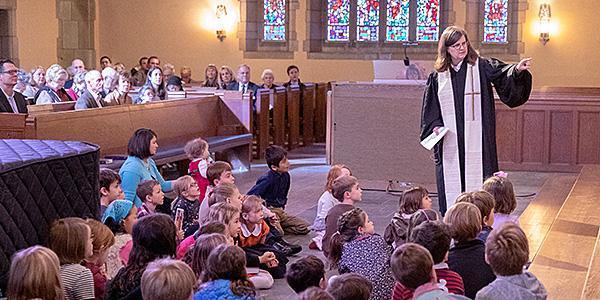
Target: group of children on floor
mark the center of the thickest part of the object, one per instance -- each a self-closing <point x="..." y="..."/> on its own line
<point x="220" y="244"/>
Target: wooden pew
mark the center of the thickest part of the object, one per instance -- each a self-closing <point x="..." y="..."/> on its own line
<point x="279" y="112"/>
<point x="12" y="126"/>
<point x="320" y="111"/>
<point x="293" y="117"/>
<point x="54" y="107"/>
<point x="264" y="97"/>
<point x="308" y="108"/>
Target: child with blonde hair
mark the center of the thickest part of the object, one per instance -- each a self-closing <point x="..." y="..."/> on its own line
<point x="168" y="279"/>
<point x="35" y="274"/>
<point x="254" y="231"/>
<point x="197" y="152"/>
<point x="467" y="256"/>
<point x="325" y="203"/>
<point x="411" y="201"/>
<point x="485" y="203"/>
<point x="188" y="197"/>
<point x="71" y="240"/>
<point x="505" y="201"/>
<point x="356" y="248"/>
<point x="102" y="240"/>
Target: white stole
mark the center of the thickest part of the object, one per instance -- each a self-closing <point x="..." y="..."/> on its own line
<point x="472" y="133"/>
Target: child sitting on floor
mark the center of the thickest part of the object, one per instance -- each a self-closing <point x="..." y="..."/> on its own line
<point x="71" y="240"/>
<point x="467" y="256"/>
<point x="350" y="286"/>
<point x="355" y="247"/>
<point x="507" y="251"/>
<point x="413" y="268"/>
<point x="151" y="194"/>
<point x="435" y="237"/>
<point x="412" y="200"/>
<point x="103" y="239"/>
<point x="325" y="203"/>
<point x="485" y="203"/>
<point x="168" y="279"/>
<point x="35" y="274"/>
<point x="197" y="152"/>
<point x="120" y="216"/>
<point x="217" y="173"/>
<point x="306" y="272"/>
<point x="274" y="186"/>
<point x="505" y="202"/>
<point x="110" y="188"/>
<point x="187" y="200"/>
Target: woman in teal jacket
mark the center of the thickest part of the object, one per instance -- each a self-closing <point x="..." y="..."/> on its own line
<point x="139" y="165"/>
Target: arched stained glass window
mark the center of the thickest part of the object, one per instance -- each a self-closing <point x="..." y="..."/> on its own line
<point x="367" y="19"/>
<point x="274" y="20"/>
<point x="428" y="20"/>
<point x="495" y="21"/>
<point x="397" y="20"/>
<point x="338" y="20"/>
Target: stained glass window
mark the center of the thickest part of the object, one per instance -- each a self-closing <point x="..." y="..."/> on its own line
<point x="367" y="19"/>
<point x="495" y="21"/>
<point x="338" y="15"/>
<point x="428" y="20"/>
<point x="397" y="20"/>
<point x="274" y="20"/>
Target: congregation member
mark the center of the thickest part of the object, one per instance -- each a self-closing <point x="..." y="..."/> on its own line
<point x="505" y="201"/>
<point x="153" y="62"/>
<point x="105" y="62"/>
<point x="23" y="79"/>
<point x="174" y="84"/>
<point x="308" y="271"/>
<point x="38" y="80"/>
<point x="110" y="188"/>
<point x="119" y="67"/>
<point x="145" y="95"/>
<point x="10" y="100"/>
<point x="350" y="286"/>
<point x="111" y="80"/>
<point x="119" y="216"/>
<point x="243" y="83"/>
<point x="186" y="75"/>
<point x="93" y="97"/>
<point x="347" y="192"/>
<point x="167" y="279"/>
<point x="44" y="283"/>
<point x="412" y="200"/>
<point x="155" y="81"/>
<point x="78" y="87"/>
<point x="54" y="90"/>
<point x="168" y="71"/>
<point x="77" y="66"/>
<point x="120" y="95"/>
<point x="225" y="77"/>
<point x="138" y="73"/>
<point x="211" y="76"/>
<point x="140" y="166"/>
<point x="268" y="79"/>
<point x="294" y="75"/>
<point x="102" y="240"/>
<point x="485" y="203"/>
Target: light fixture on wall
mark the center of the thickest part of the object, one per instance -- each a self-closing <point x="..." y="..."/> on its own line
<point x="221" y="14"/>
<point x="544" y="24"/>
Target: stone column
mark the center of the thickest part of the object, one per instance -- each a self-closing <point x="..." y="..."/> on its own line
<point x="8" y="30"/>
<point x="76" y="31"/>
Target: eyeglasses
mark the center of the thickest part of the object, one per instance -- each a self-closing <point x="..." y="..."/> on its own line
<point x="11" y="72"/>
<point x="460" y="45"/>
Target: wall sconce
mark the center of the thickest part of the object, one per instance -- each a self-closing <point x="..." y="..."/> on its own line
<point x="221" y="14"/>
<point x="545" y="14"/>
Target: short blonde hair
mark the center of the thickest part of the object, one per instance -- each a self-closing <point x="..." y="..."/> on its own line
<point x="334" y="172"/>
<point x="267" y="72"/>
<point x="482" y="199"/>
<point x="223" y="212"/>
<point x="35" y="273"/>
<point x="464" y="219"/>
<point x="221" y="193"/>
<point x="54" y="72"/>
<point x="168" y="279"/>
<point x="182" y="184"/>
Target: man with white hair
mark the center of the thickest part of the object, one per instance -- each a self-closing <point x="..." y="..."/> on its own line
<point x="243" y="83"/>
<point x="93" y="97"/>
<point x="110" y="79"/>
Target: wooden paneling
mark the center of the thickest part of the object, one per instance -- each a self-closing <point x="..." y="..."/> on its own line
<point x="559" y="131"/>
<point x="293" y="117"/>
<point x="279" y="109"/>
<point x="308" y="110"/>
<point x="320" y="111"/>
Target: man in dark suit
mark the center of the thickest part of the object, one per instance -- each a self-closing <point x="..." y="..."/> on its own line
<point x="10" y="100"/>
<point x="93" y="97"/>
<point x="244" y="84"/>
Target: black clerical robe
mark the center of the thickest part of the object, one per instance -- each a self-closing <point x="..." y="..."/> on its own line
<point x="513" y="89"/>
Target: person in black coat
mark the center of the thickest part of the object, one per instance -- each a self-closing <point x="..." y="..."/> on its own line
<point x="11" y="101"/>
<point x="243" y="83"/>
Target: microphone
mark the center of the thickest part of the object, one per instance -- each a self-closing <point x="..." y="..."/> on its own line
<point x="406" y="45"/>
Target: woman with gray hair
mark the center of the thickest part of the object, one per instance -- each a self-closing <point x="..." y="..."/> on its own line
<point x="79" y="86"/>
<point x="37" y="81"/>
<point x="53" y="91"/>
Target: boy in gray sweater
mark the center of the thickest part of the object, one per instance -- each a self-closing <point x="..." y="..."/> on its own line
<point x="507" y="251"/>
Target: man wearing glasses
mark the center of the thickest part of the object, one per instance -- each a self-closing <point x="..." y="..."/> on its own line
<point x="11" y="101"/>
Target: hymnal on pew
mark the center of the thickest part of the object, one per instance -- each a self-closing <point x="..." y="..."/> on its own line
<point x="434" y="138"/>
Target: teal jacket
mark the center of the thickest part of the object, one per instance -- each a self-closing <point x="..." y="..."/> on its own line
<point x="133" y="171"/>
